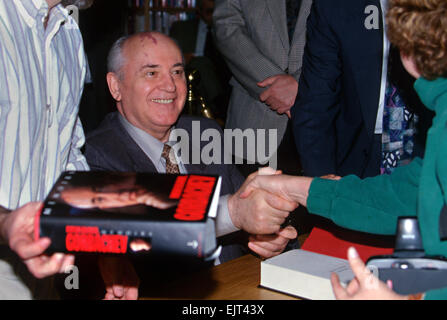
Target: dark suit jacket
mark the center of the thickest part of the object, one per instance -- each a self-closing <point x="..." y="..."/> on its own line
<point x="111" y="148"/>
<point x="339" y="90"/>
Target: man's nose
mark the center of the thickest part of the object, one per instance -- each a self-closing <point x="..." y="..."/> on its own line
<point x="168" y="83"/>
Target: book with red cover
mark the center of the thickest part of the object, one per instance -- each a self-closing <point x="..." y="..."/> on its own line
<point x="131" y="213"/>
<point x="331" y="240"/>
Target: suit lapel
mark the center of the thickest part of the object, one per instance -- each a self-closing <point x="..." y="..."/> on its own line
<point x="301" y="21"/>
<point x="139" y="160"/>
<point x="277" y="9"/>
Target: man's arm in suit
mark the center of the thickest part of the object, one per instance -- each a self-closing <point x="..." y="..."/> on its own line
<point x="248" y="65"/>
<point x="318" y="99"/>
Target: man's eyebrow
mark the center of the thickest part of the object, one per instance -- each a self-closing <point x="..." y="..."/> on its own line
<point x="179" y="64"/>
<point x="149" y="66"/>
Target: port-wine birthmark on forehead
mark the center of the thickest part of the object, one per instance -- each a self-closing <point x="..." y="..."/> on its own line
<point x="148" y="35"/>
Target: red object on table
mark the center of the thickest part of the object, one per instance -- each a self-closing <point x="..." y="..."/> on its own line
<point x="334" y="241"/>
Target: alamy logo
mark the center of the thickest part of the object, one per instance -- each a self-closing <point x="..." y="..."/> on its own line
<point x="372" y="21"/>
<point x="253" y="145"/>
<point x="72" y="280"/>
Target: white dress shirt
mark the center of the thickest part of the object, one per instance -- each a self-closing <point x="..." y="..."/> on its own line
<point x="386" y="50"/>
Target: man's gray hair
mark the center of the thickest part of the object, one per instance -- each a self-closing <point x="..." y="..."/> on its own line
<point x="115" y="59"/>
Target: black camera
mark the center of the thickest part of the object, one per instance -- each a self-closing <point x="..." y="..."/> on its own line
<point x="409" y="269"/>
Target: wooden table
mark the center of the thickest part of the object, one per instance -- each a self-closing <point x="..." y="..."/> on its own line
<point x="235" y="280"/>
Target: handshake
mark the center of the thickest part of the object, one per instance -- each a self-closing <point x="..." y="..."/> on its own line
<point x="263" y="204"/>
<point x="260" y="207"/>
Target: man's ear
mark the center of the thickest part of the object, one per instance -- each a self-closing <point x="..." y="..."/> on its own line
<point x="409" y="65"/>
<point x="114" y="85"/>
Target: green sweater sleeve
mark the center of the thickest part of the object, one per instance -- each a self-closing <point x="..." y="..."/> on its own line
<point x="370" y="205"/>
<point x="438" y="294"/>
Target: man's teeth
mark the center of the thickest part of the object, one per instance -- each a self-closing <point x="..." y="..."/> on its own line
<point x="163" y="100"/>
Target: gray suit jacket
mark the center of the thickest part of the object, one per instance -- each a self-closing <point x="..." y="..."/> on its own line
<point x="252" y="36"/>
<point x="111" y="148"/>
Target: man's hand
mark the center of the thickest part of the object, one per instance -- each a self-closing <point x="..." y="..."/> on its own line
<point x="268" y="246"/>
<point x="259" y="212"/>
<point x="17" y="228"/>
<point x="291" y="188"/>
<point x="331" y="177"/>
<point x="365" y="286"/>
<point x="119" y="277"/>
<point x="281" y="92"/>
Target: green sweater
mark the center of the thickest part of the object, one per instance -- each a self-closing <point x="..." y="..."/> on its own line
<point x="372" y="205"/>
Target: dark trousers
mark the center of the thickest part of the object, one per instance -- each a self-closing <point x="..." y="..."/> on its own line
<point x="372" y="168"/>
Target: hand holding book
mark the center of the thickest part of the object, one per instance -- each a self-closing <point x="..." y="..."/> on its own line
<point x="17" y="228"/>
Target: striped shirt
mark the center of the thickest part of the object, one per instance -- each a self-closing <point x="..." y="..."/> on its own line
<point x="42" y="73"/>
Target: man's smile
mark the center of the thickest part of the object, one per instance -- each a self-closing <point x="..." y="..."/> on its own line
<point x="163" y="101"/>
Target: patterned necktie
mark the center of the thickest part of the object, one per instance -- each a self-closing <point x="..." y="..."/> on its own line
<point x="398" y="123"/>
<point x="292" y="10"/>
<point x="171" y="163"/>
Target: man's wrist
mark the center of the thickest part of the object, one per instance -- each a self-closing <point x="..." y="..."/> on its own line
<point x="224" y="224"/>
<point x="232" y="210"/>
<point x="299" y="191"/>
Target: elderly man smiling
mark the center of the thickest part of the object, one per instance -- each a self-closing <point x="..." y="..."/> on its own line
<point x="146" y="78"/>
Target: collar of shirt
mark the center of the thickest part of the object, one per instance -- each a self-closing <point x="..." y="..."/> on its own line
<point x="33" y="10"/>
<point x="151" y="146"/>
<point x="386" y="47"/>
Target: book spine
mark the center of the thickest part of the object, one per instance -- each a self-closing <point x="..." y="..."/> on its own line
<point x="133" y="237"/>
